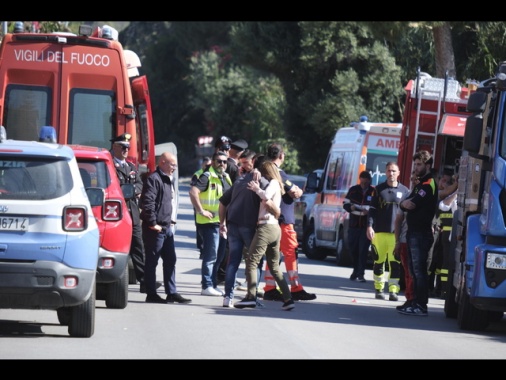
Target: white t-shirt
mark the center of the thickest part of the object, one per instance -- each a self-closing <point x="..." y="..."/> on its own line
<point x="272" y="191"/>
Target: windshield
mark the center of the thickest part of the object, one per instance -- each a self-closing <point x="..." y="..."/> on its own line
<point x="33" y="178"/>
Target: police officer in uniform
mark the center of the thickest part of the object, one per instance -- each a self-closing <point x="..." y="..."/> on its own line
<point x="127" y="173"/>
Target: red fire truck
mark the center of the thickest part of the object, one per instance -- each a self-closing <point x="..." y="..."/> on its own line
<point x="86" y="86"/>
<point x="434" y="119"/>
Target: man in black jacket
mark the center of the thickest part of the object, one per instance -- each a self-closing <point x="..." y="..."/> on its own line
<point x="158" y="226"/>
<point x="357" y="203"/>
<point x="421" y="207"/>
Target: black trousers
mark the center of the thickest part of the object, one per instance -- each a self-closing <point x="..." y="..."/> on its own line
<point x="137" y="252"/>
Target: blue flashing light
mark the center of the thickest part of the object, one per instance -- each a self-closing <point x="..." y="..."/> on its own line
<point x="47" y="134"/>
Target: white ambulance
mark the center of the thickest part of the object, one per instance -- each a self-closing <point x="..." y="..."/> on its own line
<point x="363" y="146"/>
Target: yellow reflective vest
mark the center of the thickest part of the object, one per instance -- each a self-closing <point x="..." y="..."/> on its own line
<point x="210" y="199"/>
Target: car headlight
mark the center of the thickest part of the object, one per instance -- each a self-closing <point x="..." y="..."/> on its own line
<point x="496" y="261"/>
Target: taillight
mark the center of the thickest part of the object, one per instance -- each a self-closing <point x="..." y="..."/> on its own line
<point x="75" y="218"/>
<point x="112" y="210"/>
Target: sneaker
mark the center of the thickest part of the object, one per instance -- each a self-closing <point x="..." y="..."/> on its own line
<point x="353" y="277"/>
<point x="288" y="305"/>
<point x="414" y="309"/>
<point x="220" y="291"/>
<point x="242" y="286"/>
<point x="393" y="297"/>
<point x="176" y="297"/>
<point x="155" y="298"/>
<point x="361" y="279"/>
<point x="302" y="295"/>
<point x="246" y="302"/>
<point x="273" y="295"/>
<point x="227" y="302"/>
<point x="404" y="305"/>
<point x="210" y="291"/>
<point x="379" y="295"/>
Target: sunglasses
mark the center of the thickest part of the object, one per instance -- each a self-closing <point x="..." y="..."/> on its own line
<point x="123" y="147"/>
<point x="221" y="161"/>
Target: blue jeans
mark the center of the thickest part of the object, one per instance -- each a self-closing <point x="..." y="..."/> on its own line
<point x="222" y="251"/>
<point x="211" y="243"/>
<point x="238" y="238"/>
<point x="419" y="244"/>
<point x="158" y="245"/>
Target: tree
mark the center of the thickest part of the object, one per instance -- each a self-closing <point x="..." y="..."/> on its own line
<point x="238" y="102"/>
<point x="331" y="72"/>
<point x="444" y="55"/>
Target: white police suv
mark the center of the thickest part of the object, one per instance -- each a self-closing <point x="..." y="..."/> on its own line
<point x="49" y="238"/>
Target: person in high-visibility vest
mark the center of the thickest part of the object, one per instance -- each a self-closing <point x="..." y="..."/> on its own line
<point x="380" y="231"/>
<point x="205" y="196"/>
<point x="206" y="162"/>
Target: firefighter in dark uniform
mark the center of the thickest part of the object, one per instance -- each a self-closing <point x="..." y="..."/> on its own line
<point x="127" y="173"/>
<point x="441" y="255"/>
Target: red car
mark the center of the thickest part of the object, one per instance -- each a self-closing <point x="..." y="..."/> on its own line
<point x="114" y="223"/>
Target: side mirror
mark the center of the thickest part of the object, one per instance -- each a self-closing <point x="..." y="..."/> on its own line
<point x="473" y="133"/>
<point x="477" y="102"/>
<point x="311" y="182"/>
<point x="128" y="190"/>
<point x="96" y="196"/>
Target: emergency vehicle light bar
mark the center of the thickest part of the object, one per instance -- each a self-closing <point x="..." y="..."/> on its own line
<point x="47" y="134"/>
<point x="363" y="126"/>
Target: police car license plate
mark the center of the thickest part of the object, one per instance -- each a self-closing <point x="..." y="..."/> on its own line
<point x="14" y="223"/>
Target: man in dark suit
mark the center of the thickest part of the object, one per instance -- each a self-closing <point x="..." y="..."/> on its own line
<point x="235" y="151"/>
<point x="127" y="173"/>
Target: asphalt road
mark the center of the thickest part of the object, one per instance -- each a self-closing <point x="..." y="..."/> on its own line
<point x="344" y="322"/>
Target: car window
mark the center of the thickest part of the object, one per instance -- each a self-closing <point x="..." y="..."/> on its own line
<point x="34" y="178"/>
<point x="94" y="173"/>
<point x="297" y="180"/>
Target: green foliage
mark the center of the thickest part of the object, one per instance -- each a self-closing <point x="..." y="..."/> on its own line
<point x="294" y="82"/>
<point x="413" y="49"/>
<point x="55" y="26"/>
<point x="343" y="72"/>
<point x="238" y="102"/>
<point x="480" y="48"/>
